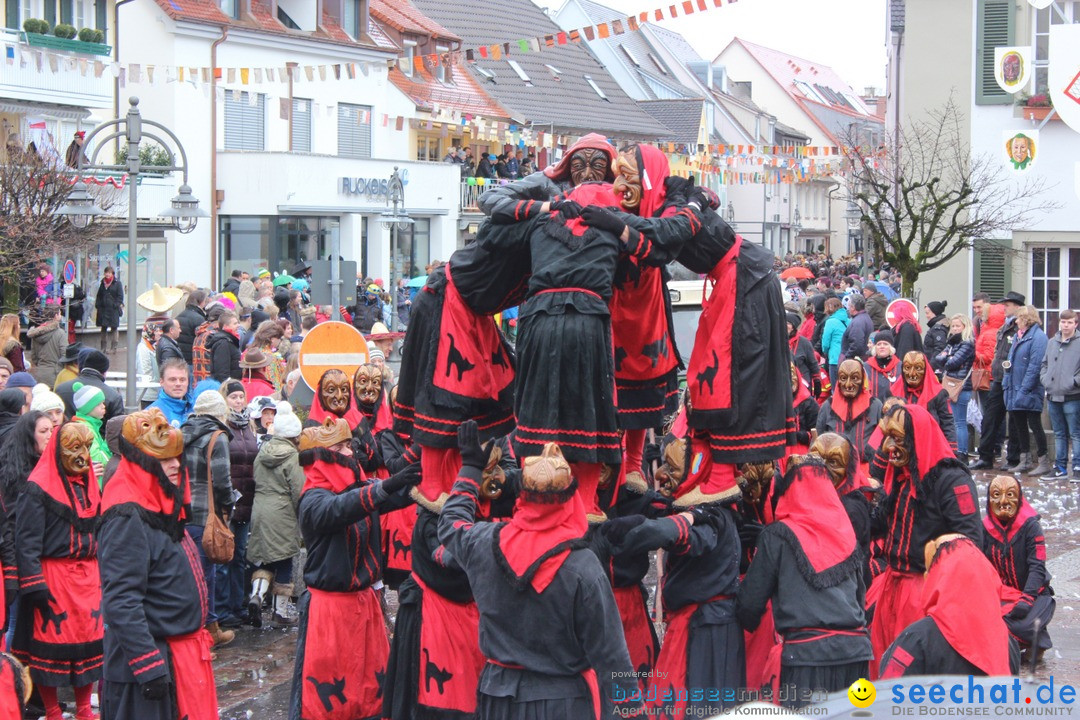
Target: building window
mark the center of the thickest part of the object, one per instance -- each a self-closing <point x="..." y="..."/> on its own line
<point x="276" y="242"/>
<point x="443" y="72"/>
<point x="301" y="125"/>
<point x="84" y="14"/>
<point x="630" y="55"/>
<point x="520" y="72"/>
<point x="230" y="8"/>
<point x="659" y="65"/>
<point x="245" y="243"/>
<point x="1055" y="282"/>
<point x="245" y="121"/>
<point x="596" y="88"/>
<point x="354" y="15"/>
<point x="427" y="148"/>
<point x="408" y="57"/>
<point x="556" y="74"/>
<point x="1043" y="20"/>
<point x="354" y="130"/>
<point x="413" y="249"/>
<point x="303" y="238"/>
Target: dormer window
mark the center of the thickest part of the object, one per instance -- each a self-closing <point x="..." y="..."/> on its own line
<point x="442" y="70"/>
<point x="408" y="57"/>
<point x="520" y="72"/>
<point x="354" y="18"/>
<point x="230" y="8"/>
<point x="596" y="88"/>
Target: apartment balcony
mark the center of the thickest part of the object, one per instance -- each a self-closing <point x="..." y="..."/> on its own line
<point x="54" y="75"/>
<point x="471" y="192"/>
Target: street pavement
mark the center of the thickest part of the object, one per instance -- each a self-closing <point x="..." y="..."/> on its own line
<point x="254" y="673"/>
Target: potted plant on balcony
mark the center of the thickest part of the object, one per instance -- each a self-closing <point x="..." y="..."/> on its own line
<point x="1037" y="107"/>
<point x="63" y="37"/>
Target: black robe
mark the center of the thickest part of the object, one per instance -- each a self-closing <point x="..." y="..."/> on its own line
<point x="922" y="650"/>
<point x="857" y="430"/>
<point x="538" y="645"/>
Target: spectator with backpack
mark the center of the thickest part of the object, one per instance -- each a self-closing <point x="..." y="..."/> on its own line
<point x="224" y="348"/>
<point x="191" y="320"/>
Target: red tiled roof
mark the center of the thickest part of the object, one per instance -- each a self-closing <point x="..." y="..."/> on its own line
<point x="262" y="20"/>
<point x="465" y="94"/>
<point x="404" y="17"/>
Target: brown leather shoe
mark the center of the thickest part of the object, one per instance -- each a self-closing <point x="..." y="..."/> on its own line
<point x="219" y="636"/>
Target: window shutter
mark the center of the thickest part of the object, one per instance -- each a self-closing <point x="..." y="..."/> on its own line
<point x="67" y="11"/>
<point x="996" y="24"/>
<point x="12" y="15"/>
<point x="50" y="12"/>
<point x="354" y="130"/>
<point x="244" y="123"/>
<point x="101" y="17"/>
<point x="301" y="125"/>
<point x="992" y="268"/>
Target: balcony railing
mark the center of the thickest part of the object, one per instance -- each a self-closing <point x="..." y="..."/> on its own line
<point x="471" y="190"/>
<point x="52" y="75"/>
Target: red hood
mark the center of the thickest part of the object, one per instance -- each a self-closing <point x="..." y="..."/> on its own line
<point x="930" y="446"/>
<point x="810" y="508"/>
<point x="318" y="413"/>
<point x="961" y="594"/>
<point x="921" y="395"/>
<point x="49" y="475"/>
<point x="595" y="141"/>
<point x="139" y="479"/>
<point x="653" y="169"/>
<point x="848" y="410"/>
<point x="330" y="471"/>
<point x="531" y="541"/>
<point x="1005" y="533"/>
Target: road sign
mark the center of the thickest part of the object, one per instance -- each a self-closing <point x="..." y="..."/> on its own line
<point x="331" y="345"/>
<point x="69" y="272"/>
<point x="320" y="282"/>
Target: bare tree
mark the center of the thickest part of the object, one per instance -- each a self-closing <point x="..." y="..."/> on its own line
<point x="32" y="189"/>
<point x="929" y="199"/>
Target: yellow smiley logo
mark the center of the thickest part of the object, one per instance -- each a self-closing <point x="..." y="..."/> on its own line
<point x="861" y="693"/>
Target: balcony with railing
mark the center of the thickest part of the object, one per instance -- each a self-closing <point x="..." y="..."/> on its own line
<point x="74" y="74"/>
<point x="473" y="188"/>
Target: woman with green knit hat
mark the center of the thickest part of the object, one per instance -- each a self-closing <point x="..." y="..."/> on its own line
<point x="89" y="404"/>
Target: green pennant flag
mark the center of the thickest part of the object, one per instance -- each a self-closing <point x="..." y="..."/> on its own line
<point x="524" y="45"/>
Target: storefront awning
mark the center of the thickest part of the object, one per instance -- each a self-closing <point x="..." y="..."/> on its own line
<point x="44" y="110"/>
<point x="356" y="210"/>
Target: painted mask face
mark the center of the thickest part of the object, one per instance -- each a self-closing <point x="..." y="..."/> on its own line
<point x="1004" y="498"/>
<point x="914" y="369"/>
<point x="849" y="377"/>
<point x="75" y="441"/>
<point x="672" y="467"/>
<point x="794" y="379"/>
<point x="547" y="472"/>
<point x="756" y="479"/>
<point x="628" y="180"/>
<point x="588" y="165"/>
<point x="368" y="384"/>
<point x="835" y="450"/>
<point x="493" y="478"/>
<point x="334" y="392"/>
<point x="151" y="433"/>
<point x="895" y="443"/>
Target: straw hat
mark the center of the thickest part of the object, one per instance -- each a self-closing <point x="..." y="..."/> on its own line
<point x="159" y="299"/>
<point x="379" y="331"/>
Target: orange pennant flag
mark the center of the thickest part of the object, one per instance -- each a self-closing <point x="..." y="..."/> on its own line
<point x="688" y="7"/>
<point x="602" y="30"/>
<point x="659" y="14"/>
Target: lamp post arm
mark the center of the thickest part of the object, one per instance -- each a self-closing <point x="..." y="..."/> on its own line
<point x="176" y="141"/>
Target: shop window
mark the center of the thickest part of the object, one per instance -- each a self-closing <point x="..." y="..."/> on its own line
<point x="413" y="249"/>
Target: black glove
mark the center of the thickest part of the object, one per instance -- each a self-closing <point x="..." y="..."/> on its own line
<point x="1020" y="610"/>
<point x="472" y="453"/>
<point x="602" y="219"/>
<point x="156" y="689"/>
<point x="748" y="534"/>
<point x="408" y="477"/>
<point x="703" y="516"/>
<point x="615" y="529"/>
<point x="677" y="189"/>
<point x="567" y="208"/>
<point x="703" y="197"/>
<point x="38" y="598"/>
<point x="651" y="453"/>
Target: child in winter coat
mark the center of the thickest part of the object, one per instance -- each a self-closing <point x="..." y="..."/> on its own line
<point x="89" y="404"/>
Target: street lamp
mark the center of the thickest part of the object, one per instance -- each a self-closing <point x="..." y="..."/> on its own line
<point x="81" y="210"/>
<point x="731" y="215"/>
<point x="853" y="215"/>
<point x="395" y="220"/>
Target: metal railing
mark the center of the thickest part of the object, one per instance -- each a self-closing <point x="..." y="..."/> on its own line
<point x="471" y="190"/>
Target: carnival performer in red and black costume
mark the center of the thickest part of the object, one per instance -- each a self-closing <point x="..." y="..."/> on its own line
<point x="1016" y="546"/>
<point x="851" y="411"/>
<point x="9" y="566"/>
<point x="853" y="489"/>
<point x="157" y="650"/>
<point x="58" y="631"/>
<point x="927" y="493"/>
<point x="703" y="647"/>
<point x="338" y="674"/>
<point x="808" y="562"/>
<point x="548" y="623"/>
<point x="961" y="633"/>
<point x="918" y="385"/>
<point x="806" y="413"/>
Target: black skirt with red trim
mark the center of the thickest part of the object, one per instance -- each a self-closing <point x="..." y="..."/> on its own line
<point x="566" y="378"/>
<point x="645" y="404"/>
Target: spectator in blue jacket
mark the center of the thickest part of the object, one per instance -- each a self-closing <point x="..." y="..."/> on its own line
<point x="832" y="337"/>
<point x="1024" y="391"/>
<point x="955" y="361"/>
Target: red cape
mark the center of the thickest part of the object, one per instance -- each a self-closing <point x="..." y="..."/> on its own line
<point x="49" y="475"/>
<point x="653" y="169"/>
<point x="811" y="509"/>
<point x="538" y="528"/>
<point x="139" y="479"/>
<point x="318" y="413"/>
<point x="329" y="471"/>
<point x="595" y="141"/>
<point x="849" y="410"/>
<point x="1003" y="533"/>
<point x="961" y="595"/>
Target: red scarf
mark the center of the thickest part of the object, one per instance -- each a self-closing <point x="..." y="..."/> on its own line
<point x="961" y="595"/>
<point x="801" y="394"/>
<point x="930" y="447"/>
<point x="653" y="169"/>
<point x="536" y="528"/>
<point x="811" y="509"/>
<point x="806" y="330"/>
<point x="329" y="471"/>
<point x="318" y="413"/>
<point x="921" y="395"/>
<point x="1005" y="533"/>
<point x="848" y="410"/>
<point x="134" y="482"/>
<point x="381" y="417"/>
<point x="49" y="475"/>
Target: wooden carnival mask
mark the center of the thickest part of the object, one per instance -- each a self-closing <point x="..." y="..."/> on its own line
<point x="1004" y="498"/>
<point x="850" y="378"/>
<point x="672" y="467"/>
<point x="493" y="477"/>
<point x="75" y="441"/>
<point x="546" y="472"/>
<point x="150" y="432"/>
<point x="755" y="480"/>
<point x="335" y="392"/>
<point x="588" y="165"/>
<point x="835" y="450"/>
<point x="367" y="384"/>
<point x="895" y="442"/>
<point x="914" y="369"/>
<point x="794" y="378"/>
<point x="628" y="179"/>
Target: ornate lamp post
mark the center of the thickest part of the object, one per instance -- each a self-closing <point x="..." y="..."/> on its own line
<point x="395" y="220"/>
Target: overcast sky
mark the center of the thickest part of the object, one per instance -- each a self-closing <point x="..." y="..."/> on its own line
<point x="848" y="35"/>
